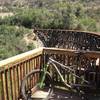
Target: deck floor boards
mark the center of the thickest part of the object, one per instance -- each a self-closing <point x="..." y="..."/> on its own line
<point x="64" y="95"/>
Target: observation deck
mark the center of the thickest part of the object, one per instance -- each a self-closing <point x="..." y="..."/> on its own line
<point x="75" y="50"/>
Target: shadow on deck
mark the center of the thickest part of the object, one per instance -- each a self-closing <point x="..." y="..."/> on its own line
<point x="61" y="94"/>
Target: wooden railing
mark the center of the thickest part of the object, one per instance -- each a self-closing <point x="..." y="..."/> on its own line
<point x="69" y="39"/>
<point x="75" y="59"/>
<point x="13" y="70"/>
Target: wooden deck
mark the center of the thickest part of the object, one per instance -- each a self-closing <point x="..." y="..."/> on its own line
<point x="60" y="94"/>
<point x="14" y="69"/>
<point x="64" y="95"/>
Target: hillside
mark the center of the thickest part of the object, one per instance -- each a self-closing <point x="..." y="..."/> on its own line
<point x="15" y="40"/>
<point x="36" y="3"/>
<point x="19" y="17"/>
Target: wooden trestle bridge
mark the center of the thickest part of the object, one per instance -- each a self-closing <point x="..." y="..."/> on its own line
<point x="70" y="65"/>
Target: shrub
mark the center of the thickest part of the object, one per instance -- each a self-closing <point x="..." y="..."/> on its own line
<point x="11" y="41"/>
<point x="88" y="24"/>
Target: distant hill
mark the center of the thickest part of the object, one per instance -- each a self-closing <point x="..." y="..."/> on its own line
<point x="16" y="35"/>
<point x="46" y="2"/>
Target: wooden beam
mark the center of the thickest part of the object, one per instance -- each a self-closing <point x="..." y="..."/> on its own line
<point x="92" y="54"/>
<point x="21" y="57"/>
<point x="78" y="31"/>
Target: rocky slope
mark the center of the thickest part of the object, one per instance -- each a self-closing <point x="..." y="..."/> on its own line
<point x="32" y="38"/>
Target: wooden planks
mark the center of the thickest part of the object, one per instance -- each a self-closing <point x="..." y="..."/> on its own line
<point x="14" y="69"/>
<point x="21" y="57"/>
<point x="70" y="39"/>
<point x="71" y="58"/>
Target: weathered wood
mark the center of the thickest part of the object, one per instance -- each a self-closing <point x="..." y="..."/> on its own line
<point x="91" y="54"/>
<point x="78" y="59"/>
<point x="21" y="57"/>
<point x="15" y="68"/>
<point x="69" y="39"/>
<point x="13" y="71"/>
<point x="10" y="83"/>
<point x="6" y="85"/>
<point x="1" y="87"/>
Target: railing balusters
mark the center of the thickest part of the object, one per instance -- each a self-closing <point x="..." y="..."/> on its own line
<point x="30" y="71"/>
<point x="14" y="82"/>
<point x="6" y="85"/>
<point x="28" y="81"/>
<point x="14" y="71"/>
<point x="63" y="62"/>
<point x="18" y="83"/>
<point x="35" y="68"/>
<point x="68" y="63"/>
<point x="1" y="87"/>
<point x="71" y="61"/>
<point x="21" y="72"/>
<point x="10" y="83"/>
<point x="74" y="39"/>
<point x="33" y="79"/>
<point x="11" y="77"/>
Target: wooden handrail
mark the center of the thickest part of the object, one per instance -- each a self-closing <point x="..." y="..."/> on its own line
<point x="15" y="68"/>
<point x="33" y="53"/>
<point x="21" y="57"/>
<point x="76" y="59"/>
<point x="92" y="54"/>
<point x="78" y="31"/>
<point x="69" y="39"/>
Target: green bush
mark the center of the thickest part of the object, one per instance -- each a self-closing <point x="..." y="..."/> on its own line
<point x="11" y="41"/>
<point x="88" y="24"/>
<point x="62" y="15"/>
<point x="59" y="15"/>
<point x="45" y="14"/>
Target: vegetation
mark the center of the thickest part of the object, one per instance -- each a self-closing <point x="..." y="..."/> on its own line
<point x="11" y="42"/>
<point x="57" y="15"/>
<point x="27" y="14"/>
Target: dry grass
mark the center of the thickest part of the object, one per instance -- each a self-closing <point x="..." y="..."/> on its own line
<point x="6" y="14"/>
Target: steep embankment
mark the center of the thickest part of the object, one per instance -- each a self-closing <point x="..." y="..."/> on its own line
<point x="15" y="40"/>
<point x="32" y="38"/>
